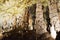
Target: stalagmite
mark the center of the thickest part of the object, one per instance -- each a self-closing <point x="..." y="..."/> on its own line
<point x="40" y="25"/>
<point x="30" y="23"/>
<point x="54" y="20"/>
<point x="54" y="14"/>
<point x="53" y="32"/>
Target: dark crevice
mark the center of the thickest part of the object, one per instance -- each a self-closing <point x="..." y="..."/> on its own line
<point x="58" y="36"/>
<point x="33" y="13"/>
<point x="46" y="17"/>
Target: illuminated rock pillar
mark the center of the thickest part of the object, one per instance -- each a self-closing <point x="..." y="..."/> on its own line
<point x="40" y="24"/>
<point x="54" y="17"/>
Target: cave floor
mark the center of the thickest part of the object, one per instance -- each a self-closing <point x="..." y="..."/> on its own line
<point x="24" y="35"/>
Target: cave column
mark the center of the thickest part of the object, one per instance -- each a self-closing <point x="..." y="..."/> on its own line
<point x="54" y="14"/>
<point x="40" y="24"/>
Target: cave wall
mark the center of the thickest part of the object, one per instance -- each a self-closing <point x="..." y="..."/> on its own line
<point x="47" y="16"/>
